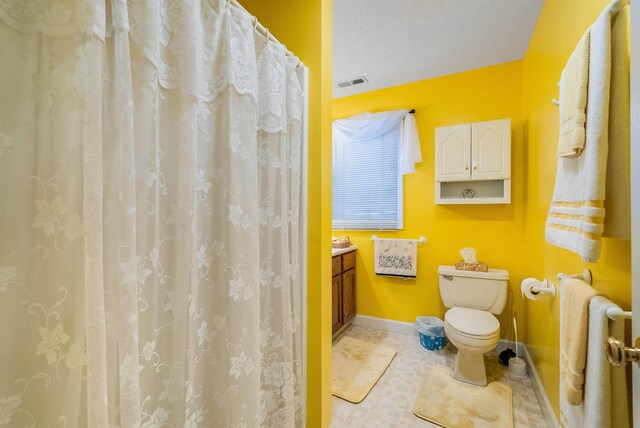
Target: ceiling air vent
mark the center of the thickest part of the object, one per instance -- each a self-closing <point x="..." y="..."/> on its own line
<point x="351" y="82"/>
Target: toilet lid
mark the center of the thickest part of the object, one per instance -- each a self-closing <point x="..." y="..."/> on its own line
<point x="472" y="321"/>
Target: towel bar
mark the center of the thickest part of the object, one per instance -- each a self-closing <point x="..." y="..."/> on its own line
<point x="618" y="314"/>
<point x="615" y="314"/>
<point x="586" y="276"/>
<point x="421" y="240"/>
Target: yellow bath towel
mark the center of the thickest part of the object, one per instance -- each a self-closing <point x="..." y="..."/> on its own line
<point x="573" y="100"/>
<point x="575" y="296"/>
<point x="618" y="201"/>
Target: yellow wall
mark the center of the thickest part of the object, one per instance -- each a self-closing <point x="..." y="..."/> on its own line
<point x="305" y="27"/>
<point x="509" y="237"/>
<point x="496" y="231"/>
<point x="560" y="26"/>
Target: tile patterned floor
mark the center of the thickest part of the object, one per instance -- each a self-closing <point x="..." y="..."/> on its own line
<point x="390" y="402"/>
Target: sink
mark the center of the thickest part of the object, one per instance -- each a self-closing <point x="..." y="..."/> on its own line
<point x="336" y="251"/>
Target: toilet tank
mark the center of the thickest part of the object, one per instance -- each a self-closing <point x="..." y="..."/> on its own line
<point x="485" y="291"/>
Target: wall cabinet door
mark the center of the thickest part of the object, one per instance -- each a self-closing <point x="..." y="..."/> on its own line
<point x="453" y="153"/>
<point x="491" y="150"/>
<point x="336" y="304"/>
<point x="348" y="295"/>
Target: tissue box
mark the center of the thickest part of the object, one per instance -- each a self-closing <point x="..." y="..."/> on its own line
<point x="476" y="267"/>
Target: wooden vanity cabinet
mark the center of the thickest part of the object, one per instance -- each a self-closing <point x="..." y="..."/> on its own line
<point x="343" y="290"/>
<point x="336" y="304"/>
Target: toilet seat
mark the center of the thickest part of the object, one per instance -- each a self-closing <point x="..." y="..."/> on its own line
<point x="472" y="332"/>
<point x="472" y="323"/>
<point x="472" y="343"/>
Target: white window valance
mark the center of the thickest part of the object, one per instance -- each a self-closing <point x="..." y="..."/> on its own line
<point x="371" y="126"/>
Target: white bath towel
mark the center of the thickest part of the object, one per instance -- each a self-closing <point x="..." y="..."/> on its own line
<point x="576" y="216"/>
<point x="395" y="257"/>
<point x="617" y="204"/>
<point x="605" y="395"/>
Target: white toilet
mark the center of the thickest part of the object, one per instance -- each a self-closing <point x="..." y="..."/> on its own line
<point x="473" y="298"/>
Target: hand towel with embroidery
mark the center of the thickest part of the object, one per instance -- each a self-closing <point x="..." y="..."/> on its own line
<point x="396" y="257"/>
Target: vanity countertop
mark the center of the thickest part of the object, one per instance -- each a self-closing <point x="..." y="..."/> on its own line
<point x="338" y="251"/>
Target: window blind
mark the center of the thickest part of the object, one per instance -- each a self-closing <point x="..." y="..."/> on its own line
<point x="367" y="184"/>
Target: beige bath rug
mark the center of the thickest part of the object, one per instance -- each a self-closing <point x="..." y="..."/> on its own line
<point x="453" y="404"/>
<point x="357" y="366"/>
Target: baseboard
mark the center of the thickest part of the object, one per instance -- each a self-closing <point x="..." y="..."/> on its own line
<point x="408" y="328"/>
<point x="541" y="395"/>
<point x="384" y="324"/>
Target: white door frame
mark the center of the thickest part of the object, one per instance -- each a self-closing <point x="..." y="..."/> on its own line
<point x="635" y="198"/>
<point x="303" y="77"/>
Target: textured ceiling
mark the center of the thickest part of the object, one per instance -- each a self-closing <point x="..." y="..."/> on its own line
<point x="392" y="42"/>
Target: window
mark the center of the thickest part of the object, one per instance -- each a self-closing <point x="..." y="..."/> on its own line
<point x="367" y="182"/>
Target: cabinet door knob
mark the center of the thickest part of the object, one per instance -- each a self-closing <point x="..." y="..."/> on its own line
<point x="467" y="168"/>
<point x="475" y="167"/>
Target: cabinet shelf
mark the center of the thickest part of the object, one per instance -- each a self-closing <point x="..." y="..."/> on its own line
<point x="486" y="192"/>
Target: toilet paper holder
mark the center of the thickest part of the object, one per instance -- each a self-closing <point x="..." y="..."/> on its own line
<point x="543" y="287"/>
<point x="532" y="288"/>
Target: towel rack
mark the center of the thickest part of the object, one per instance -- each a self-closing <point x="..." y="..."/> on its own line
<point x="615" y="314"/>
<point x="586" y="276"/>
<point x="421" y="240"/>
<point x="618" y="314"/>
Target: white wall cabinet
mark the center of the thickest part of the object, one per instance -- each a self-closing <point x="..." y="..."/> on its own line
<point x="473" y="163"/>
<point x="491" y="150"/>
<point x="453" y="153"/>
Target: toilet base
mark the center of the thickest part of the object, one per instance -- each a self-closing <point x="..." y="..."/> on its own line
<point x="470" y="368"/>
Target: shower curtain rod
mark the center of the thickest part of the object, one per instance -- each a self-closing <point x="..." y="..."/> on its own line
<point x="265" y="31"/>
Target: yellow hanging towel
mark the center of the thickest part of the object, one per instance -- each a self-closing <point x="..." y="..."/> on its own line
<point x="573" y="100"/>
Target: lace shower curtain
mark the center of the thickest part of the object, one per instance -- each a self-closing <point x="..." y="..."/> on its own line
<point x="150" y="167"/>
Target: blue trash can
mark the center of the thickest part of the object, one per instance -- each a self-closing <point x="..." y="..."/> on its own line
<point x="431" y="331"/>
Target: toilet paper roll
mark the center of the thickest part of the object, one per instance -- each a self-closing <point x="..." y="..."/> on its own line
<point x="526" y="288"/>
